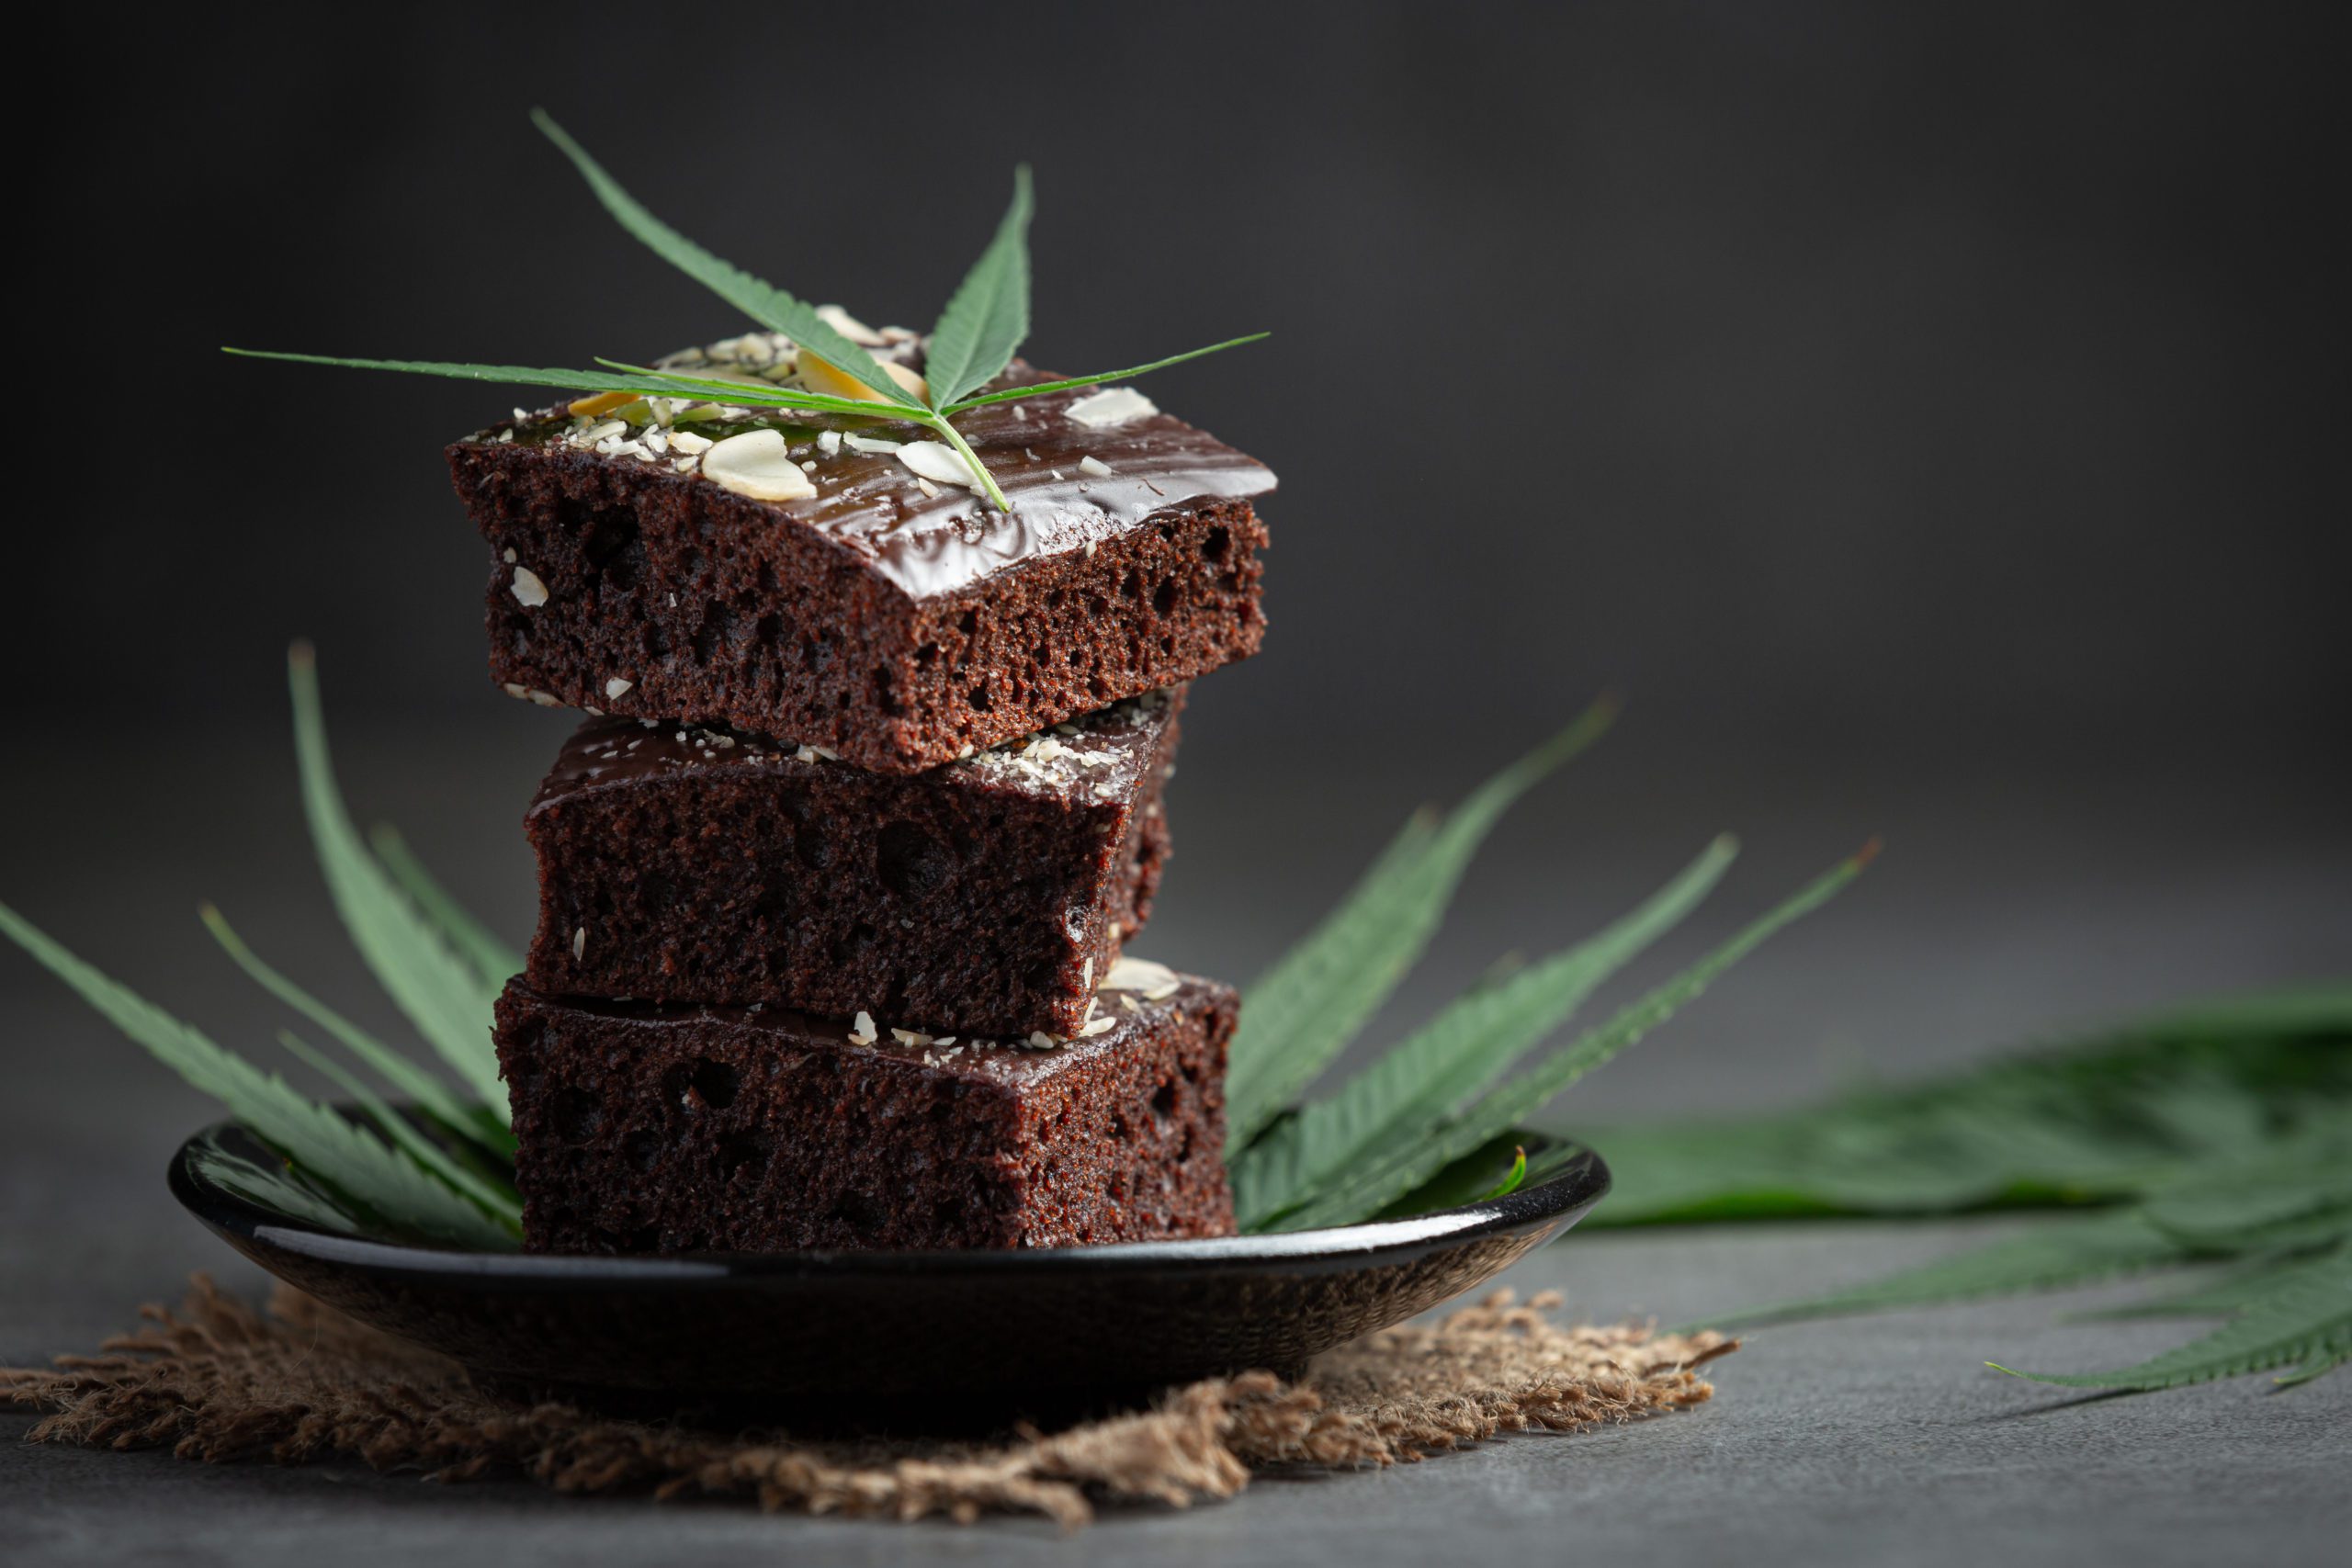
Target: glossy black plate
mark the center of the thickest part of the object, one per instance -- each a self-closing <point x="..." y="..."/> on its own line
<point x="1033" y="1331"/>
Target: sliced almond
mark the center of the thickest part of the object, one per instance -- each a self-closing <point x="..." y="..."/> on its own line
<point x="1113" y="405"/>
<point x="757" y="464"/>
<point x="819" y="377"/>
<point x="1153" y="980"/>
<point x="937" y="461"/>
<point x="528" y="590"/>
<point x="850" y="327"/>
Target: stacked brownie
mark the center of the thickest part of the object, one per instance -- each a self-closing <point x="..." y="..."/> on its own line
<point x="836" y="875"/>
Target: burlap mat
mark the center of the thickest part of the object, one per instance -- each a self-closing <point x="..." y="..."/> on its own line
<point x="217" y="1381"/>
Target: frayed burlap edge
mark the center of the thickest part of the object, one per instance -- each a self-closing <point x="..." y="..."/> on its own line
<point x="218" y="1381"/>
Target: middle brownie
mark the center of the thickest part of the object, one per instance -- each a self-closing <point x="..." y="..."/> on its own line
<point x="987" y="897"/>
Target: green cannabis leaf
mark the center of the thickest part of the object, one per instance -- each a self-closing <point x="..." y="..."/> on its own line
<point x="2227" y="1126"/>
<point x="988" y="316"/>
<point x="2302" y="1319"/>
<point x="1398" y="1171"/>
<point x="976" y="334"/>
<point x="445" y="997"/>
<point x="764" y="302"/>
<point x="371" y="1177"/>
<point x="1450" y="1059"/>
<point x="1303" y="1011"/>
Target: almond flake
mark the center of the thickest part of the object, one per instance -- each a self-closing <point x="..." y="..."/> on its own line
<point x="756" y="464"/>
<point x="850" y="327"/>
<point x="580" y="944"/>
<point x="937" y="461"/>
<point x="1155" y="981"/>
<point x="528" y="590"/>
<point x="862" y="1031"/>
<point x="617" y="687"/>
<point x="1094" y="466"/>
<point x="1112" y="406"/>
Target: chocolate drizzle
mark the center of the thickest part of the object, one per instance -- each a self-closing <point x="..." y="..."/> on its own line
<point x="936" y="544"/>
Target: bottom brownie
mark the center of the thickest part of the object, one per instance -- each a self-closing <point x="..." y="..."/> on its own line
<point x="663" y="1130"/>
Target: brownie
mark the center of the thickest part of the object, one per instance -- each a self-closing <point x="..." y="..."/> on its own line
<point x="650" y="1130"/>
<point x="896" y="620"/>
<point x="679" y="863"/>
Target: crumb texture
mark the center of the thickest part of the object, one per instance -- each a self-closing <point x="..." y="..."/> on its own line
<point x="983" y="897"/>
<point x="651" y="1130"/>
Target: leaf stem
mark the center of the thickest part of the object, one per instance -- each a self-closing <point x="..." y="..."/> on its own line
<point x="971" y="459"/>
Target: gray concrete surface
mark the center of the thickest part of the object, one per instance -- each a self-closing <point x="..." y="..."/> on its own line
<point x="2053" y="889"/>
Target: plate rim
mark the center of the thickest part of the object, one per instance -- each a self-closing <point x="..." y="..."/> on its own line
<point x="1558" y="1200"/>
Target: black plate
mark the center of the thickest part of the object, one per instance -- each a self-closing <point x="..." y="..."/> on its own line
<point x="1035" y="1331"/>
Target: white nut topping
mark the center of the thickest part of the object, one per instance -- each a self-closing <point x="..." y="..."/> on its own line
<point x="862" y="1031"/>
<point x="580" y="944"/>
<point x="617" y="687"/>
<point x="850" y="327"/>
<point x="528" y="590"/>
<point x="1153" y="980"/>
<point x="757" y="464"/>
<point x="687" y="442"/>
<point x="868" y="444"/>
<point x="1095" y="467"/>
<point x="1113" y="405"/>
<point x="936" y="461"/>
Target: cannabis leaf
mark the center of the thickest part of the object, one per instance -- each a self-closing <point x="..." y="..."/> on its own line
<point x="2229" y="1124"/>
<point x="2071" y="1251"/>
<point x="1458" y="1054"/>
<point x="494" y="961"/>
<point x="764" y="302"/>
<point x="432" y="1096"/>
<point x="443" y="994"/>
<point x="987" y="315"/>
<point x="978" y="332"/>
<point x="377" y="1180"/>
<point x="2113" y="1115"/>
<point x="2303" y="1320"/>
<point x="1302" y="1012"/>
<point x="1383" y="1180"/>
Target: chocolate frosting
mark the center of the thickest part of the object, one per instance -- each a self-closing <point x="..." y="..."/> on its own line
<point x="1099" y="756"/>
<point x="931" y="544"/>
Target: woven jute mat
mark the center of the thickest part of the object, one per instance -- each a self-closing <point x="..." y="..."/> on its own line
<point x="218" y="1381"/>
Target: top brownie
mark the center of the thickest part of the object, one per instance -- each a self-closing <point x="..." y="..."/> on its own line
<point x="896" y="620"/>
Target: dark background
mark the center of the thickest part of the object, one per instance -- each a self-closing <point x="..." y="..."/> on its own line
<point x="1930" y="417"/>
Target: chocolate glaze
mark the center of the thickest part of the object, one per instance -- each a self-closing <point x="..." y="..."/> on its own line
<point x="1103" y="752"/>
<point x="934" y="545"/>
